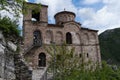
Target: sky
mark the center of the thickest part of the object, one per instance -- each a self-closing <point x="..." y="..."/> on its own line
<point x="94" y="14"/>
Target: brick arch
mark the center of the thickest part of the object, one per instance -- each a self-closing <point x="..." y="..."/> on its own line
<point x="85" y="39"/>
<point x="59" y="37"/>
<point x="93" y="53"/>
<point x="92" y="38"/>
<point x="74" y="23"/>
<point x="48" y="36"/>
<point x="78" y="37"/>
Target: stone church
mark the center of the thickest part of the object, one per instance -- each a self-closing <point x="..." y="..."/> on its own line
<point x="38" y="32"/>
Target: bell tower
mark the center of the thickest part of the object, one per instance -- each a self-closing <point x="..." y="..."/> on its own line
<point x="35" y="16"/>
<point x="35" y="12"/>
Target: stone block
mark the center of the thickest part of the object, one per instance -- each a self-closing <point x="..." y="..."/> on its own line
<point x="12" y="46"/>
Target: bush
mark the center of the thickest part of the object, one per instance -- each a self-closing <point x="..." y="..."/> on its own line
<point x="67" y="67"/>
<point x="9" y="27"/>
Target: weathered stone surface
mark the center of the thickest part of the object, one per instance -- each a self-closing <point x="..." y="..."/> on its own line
<point x="7" y="67"/>
<point x="2" y="59"/>
<point x="12" y="46"/>
<point x="1" y="36"/>
<point x="1" y="49"/>
<point x="40" y="74"/>
<point x="1" y="79"/>
<point x="2" y="41"/>
<point x="22" y="71"/>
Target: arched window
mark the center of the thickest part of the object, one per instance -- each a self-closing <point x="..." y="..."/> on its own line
<point x="87" y="55"/>
<point x="37" y="39"/>
<point x="85" y="39"/>
<point x="92" y="38"/>
<point x="42" y="60"/>
<point x="68" y="38"/>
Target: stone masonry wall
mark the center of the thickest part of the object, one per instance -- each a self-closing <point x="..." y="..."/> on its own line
<point x="84" y="41"/>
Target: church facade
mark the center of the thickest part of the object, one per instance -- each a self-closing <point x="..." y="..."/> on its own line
<point x="38" y="32"/>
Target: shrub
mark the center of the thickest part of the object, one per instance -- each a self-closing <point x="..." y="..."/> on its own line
<point x="9" y="27"/>
<point x="66" y="66"/>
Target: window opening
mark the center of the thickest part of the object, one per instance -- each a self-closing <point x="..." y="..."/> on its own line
<point x="42" y="60"/>
<point x="35" y="15"/>
<point x="37" y="40"/>
<point x="68" y="38"/>
<point x="80" y="55"/>
<point x="87" y="55"/>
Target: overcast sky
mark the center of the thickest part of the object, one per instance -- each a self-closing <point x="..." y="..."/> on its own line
<point x="94" y="14"/>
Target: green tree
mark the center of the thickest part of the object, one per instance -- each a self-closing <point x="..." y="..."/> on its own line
<point x="17" y="7"/>
<point x="9" y="27"/>
<point x="69" y="66"/>
<point x="12" y="6"/>
<point x="67" y="63"/>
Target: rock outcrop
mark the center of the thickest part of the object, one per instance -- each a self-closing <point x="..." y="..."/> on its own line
<point x="7" y="51"/>
<point x="13" y="65"/>
<point x="22" y="70"/>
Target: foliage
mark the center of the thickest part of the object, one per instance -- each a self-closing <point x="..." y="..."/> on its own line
<point x="9" y="27"/>
<point x="36" y="7"/>
<point x="64" y="59"/>
<point x="16" y="7"/>
<point x="68" y="66"/>
<point x="110" y="45"/>
<point x="12" y="6"/>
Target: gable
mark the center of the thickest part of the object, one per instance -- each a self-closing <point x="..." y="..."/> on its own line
<point x="72" y="26"/>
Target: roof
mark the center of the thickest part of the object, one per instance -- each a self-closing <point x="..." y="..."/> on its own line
<point x="55" y="25"/>
<point x="89" y="29"/>
<point x="63" y="12"/>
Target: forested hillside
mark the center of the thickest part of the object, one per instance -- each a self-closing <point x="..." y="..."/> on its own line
<point x="110" y="45"/>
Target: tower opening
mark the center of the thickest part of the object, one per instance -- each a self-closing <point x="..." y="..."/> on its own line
<point x="35" y="15"/>
<point x="37" y="40"/>
<point x="42" y="60"/>
<point x="68" y="38"/>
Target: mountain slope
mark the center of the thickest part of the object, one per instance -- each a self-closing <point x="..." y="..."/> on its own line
<point x="110" y="45"/>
